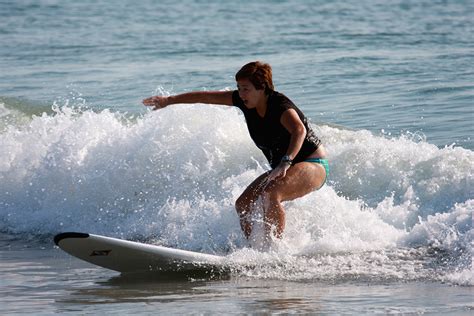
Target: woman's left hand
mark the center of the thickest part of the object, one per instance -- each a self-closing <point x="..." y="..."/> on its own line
<point x="279" y="172"/>
<point x="158" y="102"/>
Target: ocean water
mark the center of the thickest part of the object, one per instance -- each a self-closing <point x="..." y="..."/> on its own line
<point x="388" y="87"/>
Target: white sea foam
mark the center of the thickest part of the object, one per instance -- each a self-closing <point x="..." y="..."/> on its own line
<point x="172" y="176"/>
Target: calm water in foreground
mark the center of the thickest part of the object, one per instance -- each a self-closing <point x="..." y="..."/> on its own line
<point x="43" y="281"/>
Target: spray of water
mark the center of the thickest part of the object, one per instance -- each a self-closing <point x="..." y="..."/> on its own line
<point x="393" y="207"/>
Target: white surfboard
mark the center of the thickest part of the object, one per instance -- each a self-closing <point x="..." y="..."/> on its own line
<point x="134" y="257"/>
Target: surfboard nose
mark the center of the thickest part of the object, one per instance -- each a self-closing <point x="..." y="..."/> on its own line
<point x="62" y="236"/>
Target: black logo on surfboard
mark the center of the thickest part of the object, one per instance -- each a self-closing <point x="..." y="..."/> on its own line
<point x="100" y="253"/>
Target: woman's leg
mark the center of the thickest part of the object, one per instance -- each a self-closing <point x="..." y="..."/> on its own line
<point x="300" y="179"/>
<point x="245" y="204"/>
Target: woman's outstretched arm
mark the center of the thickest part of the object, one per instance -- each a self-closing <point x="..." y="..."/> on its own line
<point x="208" y="97"/>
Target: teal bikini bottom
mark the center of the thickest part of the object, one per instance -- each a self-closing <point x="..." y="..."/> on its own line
<point x="324" y="163"/>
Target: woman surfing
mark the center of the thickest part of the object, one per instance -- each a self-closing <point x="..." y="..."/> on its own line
<point x="281" y="131"/>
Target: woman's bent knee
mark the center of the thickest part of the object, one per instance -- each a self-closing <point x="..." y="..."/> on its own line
<point x="242" y="205"/>
<point x="271" y="196"/>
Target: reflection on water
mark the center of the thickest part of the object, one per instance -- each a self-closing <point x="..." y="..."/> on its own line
<point x="146" y="287"/>
<point x="179" y="293"/>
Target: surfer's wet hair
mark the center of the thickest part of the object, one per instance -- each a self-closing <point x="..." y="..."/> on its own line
<point x="259" y="74"/>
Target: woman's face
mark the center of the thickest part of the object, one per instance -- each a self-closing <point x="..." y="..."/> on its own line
<point x="249" y="94"/>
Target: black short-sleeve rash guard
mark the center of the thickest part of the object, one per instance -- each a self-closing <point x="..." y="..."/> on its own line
<point x="269" y="134"/>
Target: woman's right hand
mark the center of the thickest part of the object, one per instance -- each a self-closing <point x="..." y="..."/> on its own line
<point x="157" y="102"/>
